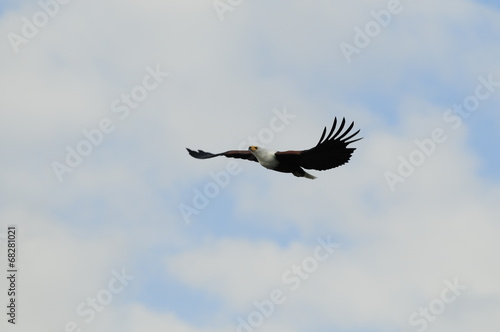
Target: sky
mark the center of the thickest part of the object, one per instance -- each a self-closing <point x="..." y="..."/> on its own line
<point x="116" y="228"/>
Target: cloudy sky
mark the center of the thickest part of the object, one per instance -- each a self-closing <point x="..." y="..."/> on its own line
<point x="119" y="229"/>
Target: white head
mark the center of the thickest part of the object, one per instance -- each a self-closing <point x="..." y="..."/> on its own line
<point x="265" y="157"/>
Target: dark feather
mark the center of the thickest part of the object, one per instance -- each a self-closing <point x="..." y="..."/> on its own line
<point x="330" y="152"/>
<point x="240" y="154"/>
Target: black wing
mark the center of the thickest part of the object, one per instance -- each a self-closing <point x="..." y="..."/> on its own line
<point x="330" y="152"/>
<point x="240" y="154"/>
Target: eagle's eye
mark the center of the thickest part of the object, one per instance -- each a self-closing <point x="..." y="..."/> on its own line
<point x="253" y="148"/>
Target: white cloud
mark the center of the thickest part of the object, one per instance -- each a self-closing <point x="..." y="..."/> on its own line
<point x="57" y="269"/>
<point x="119" y="207"/>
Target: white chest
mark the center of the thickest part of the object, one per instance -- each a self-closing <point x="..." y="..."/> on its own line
<point x="267" y="159"/>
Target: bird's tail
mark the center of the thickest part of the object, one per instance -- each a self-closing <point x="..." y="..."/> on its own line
<point x="309" y="176"/>
<point x="304" y="174"/>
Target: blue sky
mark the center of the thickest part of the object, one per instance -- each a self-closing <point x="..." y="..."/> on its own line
<point x="196" y="80"/>
<point x="488" y="3"/>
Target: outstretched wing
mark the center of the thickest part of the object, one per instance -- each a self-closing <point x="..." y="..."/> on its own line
<point x="330" y="152"/>
<point x="240" y="154"/>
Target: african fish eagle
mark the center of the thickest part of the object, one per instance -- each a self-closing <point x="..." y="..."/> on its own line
<point x="330" y="152"/>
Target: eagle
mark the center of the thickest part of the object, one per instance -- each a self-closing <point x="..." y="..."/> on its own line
<point x="330" y="152"/>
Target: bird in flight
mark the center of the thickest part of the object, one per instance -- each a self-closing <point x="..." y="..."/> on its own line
<point x="330" y="152"/>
